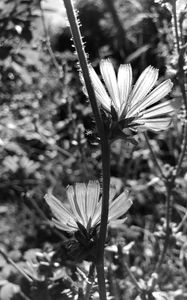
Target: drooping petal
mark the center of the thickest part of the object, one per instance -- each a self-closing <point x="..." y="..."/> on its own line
<point x="119" y="206"/>
<point x="100" y="91"/>
<point x="156" y="124"/>
<point x="166" y="107"/>
<point x="109" y="77"/>
<point x="118" y="221"/>
<point x="57" y="207"/>
<point x="124" y="83"/>
<point x="143" y="86"/>
<point x="157" y="94"/>
<point x="92" y="197"/>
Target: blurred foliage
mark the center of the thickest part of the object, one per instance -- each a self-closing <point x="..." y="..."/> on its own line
<point x="48" y="140"/>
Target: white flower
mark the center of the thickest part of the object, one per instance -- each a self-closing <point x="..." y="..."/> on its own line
<point x="85" y="207"/>
<point x="134" y="106"/>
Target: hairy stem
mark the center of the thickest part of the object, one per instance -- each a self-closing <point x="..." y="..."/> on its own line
<point x="105" y="149"/>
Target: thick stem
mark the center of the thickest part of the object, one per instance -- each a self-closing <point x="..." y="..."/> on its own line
<point x="105" y="149"/>
<point x="101" y="281"/>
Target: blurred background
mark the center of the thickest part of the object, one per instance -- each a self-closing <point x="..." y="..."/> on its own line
<point x="48" y="138"/>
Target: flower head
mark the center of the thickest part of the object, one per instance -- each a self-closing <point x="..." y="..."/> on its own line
<point x="84" y="211"/>
<point x="135" y="107"/>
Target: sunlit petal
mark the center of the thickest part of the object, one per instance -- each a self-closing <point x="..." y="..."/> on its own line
<point x="166" y="107"/>
<point x="109" y="77"/>
<point x="100" y="91"/>
<point x="80" y="198"/>
<point x="156" y="124"/>
<point x="124" y="83"/>
<point x="57" y="207"/>
<point x="85" y="202"/>
<point x="73" y="203"/>
<point x="143" y="86"/>
<point x="157" y="94"/>
<point x="120" y="206"/>
<point x="97" y="215"/>
<point x="93" y="192"/>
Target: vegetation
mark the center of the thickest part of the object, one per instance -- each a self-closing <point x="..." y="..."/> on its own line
<point x="54" y="135"/>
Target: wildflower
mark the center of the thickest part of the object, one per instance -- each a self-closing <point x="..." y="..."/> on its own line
<point x="134" y="107"/>
<point x="83" y="217"/>
<point x="84" y="212"/>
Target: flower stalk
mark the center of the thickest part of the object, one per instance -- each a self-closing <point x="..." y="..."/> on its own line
<point x="105" y="149"/>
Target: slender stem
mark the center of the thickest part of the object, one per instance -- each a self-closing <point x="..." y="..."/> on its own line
<point x="181" y="74"/>
<point x="105" y="149"/>
<point x="183" y="151"/>
<point x="83" y="63"/>
<point x="48" y="44"/>
<point x="91" y="277"/>
<point x="127" y="269"/>
<point x="121" y="34"/>
<point x="154" y="156"/>
<point x="24" y="296"/>
<point x="10" y="261"/>
<point x="168" y="230"/>
<point x="176" y="25"/>
<point x="132" y="277"/>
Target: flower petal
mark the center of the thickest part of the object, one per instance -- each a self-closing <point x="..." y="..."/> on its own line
<point x="144" y="84"/>
<point x="73" y="203"/>
<point x="118" y="221"/>
<point x="119" y="206"/>
<point x="156" y="124"/>
<point x="100" y="91"/>
<point x="157" y="94"/>
<point x="166" y="107"/>
<point x="57" y="207"/>
<point x="97" y="215"/>
<point x="109" y="77"/>
<point x="65" y="227"/>
<point x="124" y="83"/>
<point x="112" y="193"/>
<point x="80" y="197"/>
<point x="92" y="197"/>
